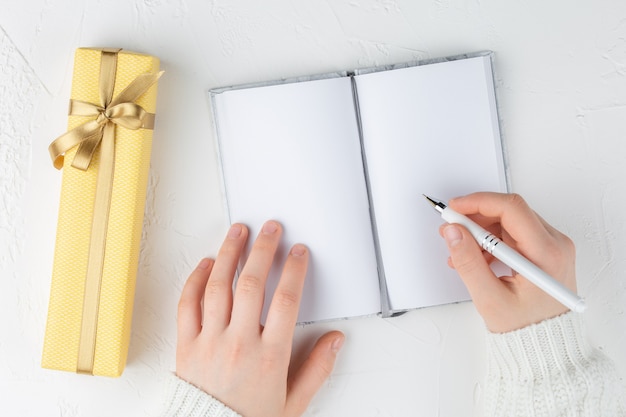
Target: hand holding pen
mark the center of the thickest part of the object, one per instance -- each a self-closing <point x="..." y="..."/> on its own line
<point x="511" y="302"/>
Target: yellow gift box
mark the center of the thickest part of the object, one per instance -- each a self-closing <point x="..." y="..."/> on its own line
<point x="105" y="158"/>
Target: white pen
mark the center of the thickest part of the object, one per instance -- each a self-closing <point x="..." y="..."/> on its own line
<point x="512" y="258"/>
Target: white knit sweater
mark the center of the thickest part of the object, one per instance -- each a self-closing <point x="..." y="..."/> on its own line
<point x="547" y="369"/>
<point x="186" y="400"/>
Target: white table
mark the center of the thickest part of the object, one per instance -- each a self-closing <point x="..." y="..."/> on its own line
<point x="561" y="82"/>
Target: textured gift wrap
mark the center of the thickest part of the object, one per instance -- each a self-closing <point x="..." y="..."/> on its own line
<point x="105" y="158"/>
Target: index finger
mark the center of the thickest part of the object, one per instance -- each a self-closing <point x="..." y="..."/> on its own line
<point x="516" y="217"/>
<point x="283" y="313"/>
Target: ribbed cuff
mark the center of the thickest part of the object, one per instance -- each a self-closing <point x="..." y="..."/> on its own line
<point x="549" y="369"/>
<point x="186" y="400"/>
<point x="539" y="351"/>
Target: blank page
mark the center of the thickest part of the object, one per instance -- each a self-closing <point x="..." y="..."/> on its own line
<point x="429" y="129"/>
<point x="291" y="152"/>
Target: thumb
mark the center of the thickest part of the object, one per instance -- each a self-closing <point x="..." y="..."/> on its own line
<point x="313" y="373"/>
<point x="468" y="260"/>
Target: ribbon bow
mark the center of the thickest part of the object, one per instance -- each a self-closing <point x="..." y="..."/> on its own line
<point x="121" y="110"/>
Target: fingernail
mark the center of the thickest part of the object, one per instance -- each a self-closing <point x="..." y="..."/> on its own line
<point x="298" y="250"/>
<point x="235" y="231"/>
<point x="337" y="344"/>
<point x="204" y="264"/>
<point x="270" y="227"/>
<point x="453" y="235"/>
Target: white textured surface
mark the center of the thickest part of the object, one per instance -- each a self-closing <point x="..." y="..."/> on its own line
<point x="561" y="78"/>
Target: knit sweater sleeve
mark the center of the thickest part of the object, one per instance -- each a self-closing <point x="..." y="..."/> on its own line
<point x="186" y="400"/>
<point x="549" y="369"/>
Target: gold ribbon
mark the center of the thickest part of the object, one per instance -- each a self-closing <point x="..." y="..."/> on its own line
<point x="91" y="135"/>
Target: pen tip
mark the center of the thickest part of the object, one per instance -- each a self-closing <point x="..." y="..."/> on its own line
<point x="437" y="205"/>
<point x="430" y="200"/>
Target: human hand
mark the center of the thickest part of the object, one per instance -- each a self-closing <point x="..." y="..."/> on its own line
<point x="511" y="302"/>
<point x="223" y="350"/>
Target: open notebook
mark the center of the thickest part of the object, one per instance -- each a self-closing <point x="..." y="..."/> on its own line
<point x="342" y="161"/>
